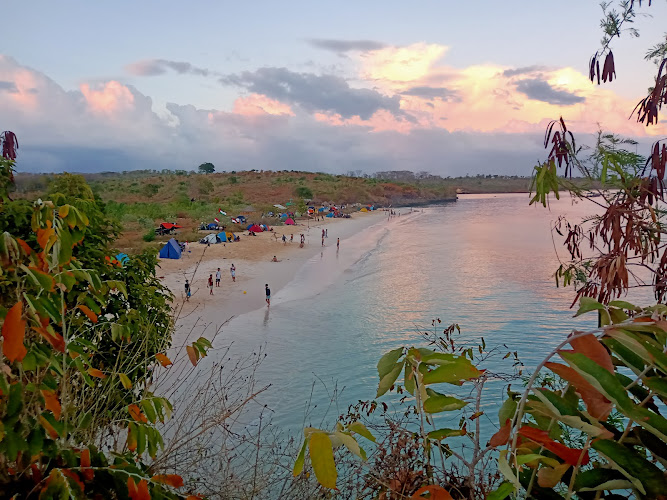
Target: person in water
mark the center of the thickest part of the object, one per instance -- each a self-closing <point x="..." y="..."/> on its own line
<point x="187" y="290"/>
<point x="268" y="294"/>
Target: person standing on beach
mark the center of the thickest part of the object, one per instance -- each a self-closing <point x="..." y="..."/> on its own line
<point x="218" y="275"/>
<point x="337" y="243"/>
<point x="284" y="240"/>
<point x="268" y="294"/>
<point x="322" y="240"/>
<point x="291" y="238"/>
<point x="233" y="271"/>
<point x="187" y="291"/>
<point x="326" y="233"/>
<point x="210" y="284"/>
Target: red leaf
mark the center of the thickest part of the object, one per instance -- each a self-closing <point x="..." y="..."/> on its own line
<point x="501" y="437"/>
<point x="87" y="473"/>
<point x="138" y="492"/>
<point x="94" y="372"/>
<point x="597" y="405"/>
<point x="592" y="348"/>
<point x="171" y="479"/>
<point x="570" y="455"/>
<point x="437" y="493"/>
<point x="43" y="236"/>
<point x="26" y="248"/>
<point x="13" y="332"/>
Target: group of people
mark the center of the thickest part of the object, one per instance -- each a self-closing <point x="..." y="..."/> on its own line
<point x="218" y="277"/>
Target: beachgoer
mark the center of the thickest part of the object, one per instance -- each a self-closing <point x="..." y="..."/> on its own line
<point x="284" y="240"/>
<point x="218" y="275"/>
<point x="210" y="284"/>
<point x="187" y="290"/>
<point x="322" y="240"/>
<point x="291" y="238"/>
<point x="326" y="233"/>
<point x="233" y="271"/>
<point x="274" y="259"/>
<point x="338" y="243"/>
<point x="268" y="294"/>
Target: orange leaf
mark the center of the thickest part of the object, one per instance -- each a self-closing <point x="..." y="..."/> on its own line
<point x="94" y="372"/>
<point x="52" y="337"/>
<point x="87" y="473"/>
<point x="164" y="360"/>
<point x="26" y="248"/>
<point x="548" y="477"/>
<point x="171" y="479"/>
<point x="192" y="355"/>
<point x="597" y="405"/>
<point x="136" y="413"/>
<point x="43" y="236"/>
<point x="74" y="477"/>
<point x="592" y="348"/>
<point x="570" y="455"/>
<point x="141" y="492"/>
<point x="13" y="332"/>
<point x="49" y="428"/>
<point x="501" y="437"/>
<point x="437" y="493"/>
<point x="91" y="315"/>
<point x="52" y="403"/>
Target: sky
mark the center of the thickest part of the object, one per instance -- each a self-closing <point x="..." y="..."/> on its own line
<point x="451" y="88"/>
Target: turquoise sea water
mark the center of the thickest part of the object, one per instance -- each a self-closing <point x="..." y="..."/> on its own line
<point x="485" y="262"/>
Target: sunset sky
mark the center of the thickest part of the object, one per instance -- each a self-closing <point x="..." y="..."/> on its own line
<point x="452" y="88"/>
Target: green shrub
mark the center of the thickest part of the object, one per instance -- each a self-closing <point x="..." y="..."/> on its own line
<point x="149" y="235"/>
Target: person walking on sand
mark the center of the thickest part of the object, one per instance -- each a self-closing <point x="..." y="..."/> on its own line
<point x="337" y="243"/>
<point x="284" y="240"/>
<point x="210" y="284"/>
<point x="187" y="291"/>
<point x="291" y="238"/>
<point x="218" y="275"/>
<point x="322" y="240"/>
<point x="326" y="233"/>
<point x="268" y="294"/>
<point x="233" y="271"/>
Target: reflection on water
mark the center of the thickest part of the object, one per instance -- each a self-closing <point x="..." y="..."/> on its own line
<point x="485" y="262"/>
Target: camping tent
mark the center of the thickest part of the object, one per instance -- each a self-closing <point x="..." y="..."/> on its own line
<point x="364" y="209"/>
<point x="123" y="258"/>
<point x="230" y="236"/>
<point x="171" y="250"/>
<point x="330" y="214"/>
<point x="222" y="236"/>
<point x="210" y="238"/>
<point x="255" y="229"/>
<point x="289" y="222"/>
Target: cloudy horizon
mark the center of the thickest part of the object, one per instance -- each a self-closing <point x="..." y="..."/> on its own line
<point x="371" y="96"/>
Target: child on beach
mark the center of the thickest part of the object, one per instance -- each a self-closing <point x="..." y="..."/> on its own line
<point x="268" y="294"/>
<point x="218" y="275"/>
<point x="187" y="290"/>
<point x="210" y="284"/>
<point x="233" y="271"/>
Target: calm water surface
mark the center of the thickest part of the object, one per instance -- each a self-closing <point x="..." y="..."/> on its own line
<point x="485" y="262"/>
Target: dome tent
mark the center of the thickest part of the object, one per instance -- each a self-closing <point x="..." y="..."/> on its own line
<point x="171" y="250"/>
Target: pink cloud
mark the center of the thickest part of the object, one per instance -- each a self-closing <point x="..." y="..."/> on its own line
<point x="258" y="104"/>
<point x="109" y="98"/>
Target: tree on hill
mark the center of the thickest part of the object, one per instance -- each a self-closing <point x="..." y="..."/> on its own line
<point x="206" y="168"/>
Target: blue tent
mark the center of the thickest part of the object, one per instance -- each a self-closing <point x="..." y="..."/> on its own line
<point x="330" y="214"/>
<point x="171" y="250"/>
<point x="249" y="226"/>
<point x="222" y="236"/>
<point x="123" y="258"/>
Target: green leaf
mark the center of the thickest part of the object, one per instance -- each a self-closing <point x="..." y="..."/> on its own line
<point x="438" y="358"/>
<point x="507" y="411"/>
<point x="409" y="379"/>
<point x="361" y="429"/>
<point x="621" y="304"/>
<point x="506" y="470"/>
<point x="437" y="402"/>
<point x="587" y="304"/>
<point x="321" y="456"/>
<point x="388" y="362"/>
<point x="646" y="477"/>
<point x="125" y="381"/>
<point x="441" y="434"/>
<point x="40" y="278"/>
<point x="300" y="459"/>
<point x="15" y="402"/>
<point x="388" y="380"/>
<point x="452" y="373"/>
<point x="149" y="410"/>
<point x="351" y="444"/>
<point x="502" y="491"/>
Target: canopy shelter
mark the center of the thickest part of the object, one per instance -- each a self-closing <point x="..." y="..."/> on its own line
<point x="210" y="238"/>
<point x="171" y="250"/>
<point x="169" y="226"/>
<point x="255" y="229"/>
<point x="289" y="222"/>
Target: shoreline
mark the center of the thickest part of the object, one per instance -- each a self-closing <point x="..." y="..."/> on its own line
<point x="252" y="259"/>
